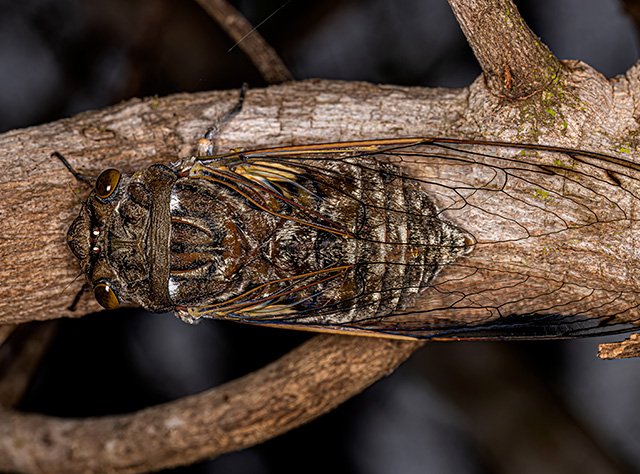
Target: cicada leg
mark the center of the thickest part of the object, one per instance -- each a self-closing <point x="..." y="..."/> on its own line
<point x="74" y="304"/>
<point x="205" y="145"/>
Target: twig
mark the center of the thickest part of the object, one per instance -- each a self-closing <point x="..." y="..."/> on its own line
<point x="619" y="350"/>
<point x="20" y="357"/>
<point x="5" y="332"/>
<point x="309" y="381"/>
<point x="263" y="56"/>
<point x="515" y="63"/>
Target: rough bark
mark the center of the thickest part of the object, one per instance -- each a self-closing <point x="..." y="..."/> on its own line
<point x="578" y="108"/>
<point x="515" y="63"/>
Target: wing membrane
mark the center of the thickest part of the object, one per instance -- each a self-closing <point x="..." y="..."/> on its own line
<point x="554" y="232"/>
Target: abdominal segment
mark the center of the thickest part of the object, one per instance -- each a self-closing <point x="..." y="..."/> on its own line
<point x="332" y="241"/>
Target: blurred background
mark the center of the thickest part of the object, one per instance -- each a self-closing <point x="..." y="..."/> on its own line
<point x="452" y="408"/>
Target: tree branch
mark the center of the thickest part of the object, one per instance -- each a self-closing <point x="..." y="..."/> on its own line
<point x="20" y="357"/>
<point x="37" y="207"/>
<point x="582" y="109"/>
<point x="309" y="381"/>
<point x="515" y="63"/>
<point x="39" y="274"/>
<point x="261" y="54"/>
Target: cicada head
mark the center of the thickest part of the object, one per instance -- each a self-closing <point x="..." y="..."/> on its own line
<point x="121" y="237"/>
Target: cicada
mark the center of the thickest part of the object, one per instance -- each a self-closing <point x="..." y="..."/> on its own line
<point x="405" y="238"/>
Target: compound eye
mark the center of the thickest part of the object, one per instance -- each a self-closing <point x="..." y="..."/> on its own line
<point x="106" y="296"/>
<point x="107" y="183"/>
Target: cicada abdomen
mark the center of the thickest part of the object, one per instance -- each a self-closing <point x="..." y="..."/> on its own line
<point x="336" y="240"/>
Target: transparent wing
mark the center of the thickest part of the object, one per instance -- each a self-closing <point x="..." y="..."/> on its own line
<point x="554" y="232"/>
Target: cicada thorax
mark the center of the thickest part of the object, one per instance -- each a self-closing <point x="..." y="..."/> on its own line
<point x="324" y="240"/>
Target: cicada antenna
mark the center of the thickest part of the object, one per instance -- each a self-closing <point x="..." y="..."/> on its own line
<point x="79" y="176"/>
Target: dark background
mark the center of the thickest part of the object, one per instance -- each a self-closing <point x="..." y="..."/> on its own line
<point x="453" y="408"/>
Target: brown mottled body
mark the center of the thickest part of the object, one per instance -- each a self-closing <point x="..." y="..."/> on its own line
<point x="352" y="240"/>
<point x="336" y="240"/>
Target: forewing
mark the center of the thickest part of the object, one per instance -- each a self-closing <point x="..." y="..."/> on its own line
<point x="554" y="233"/>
